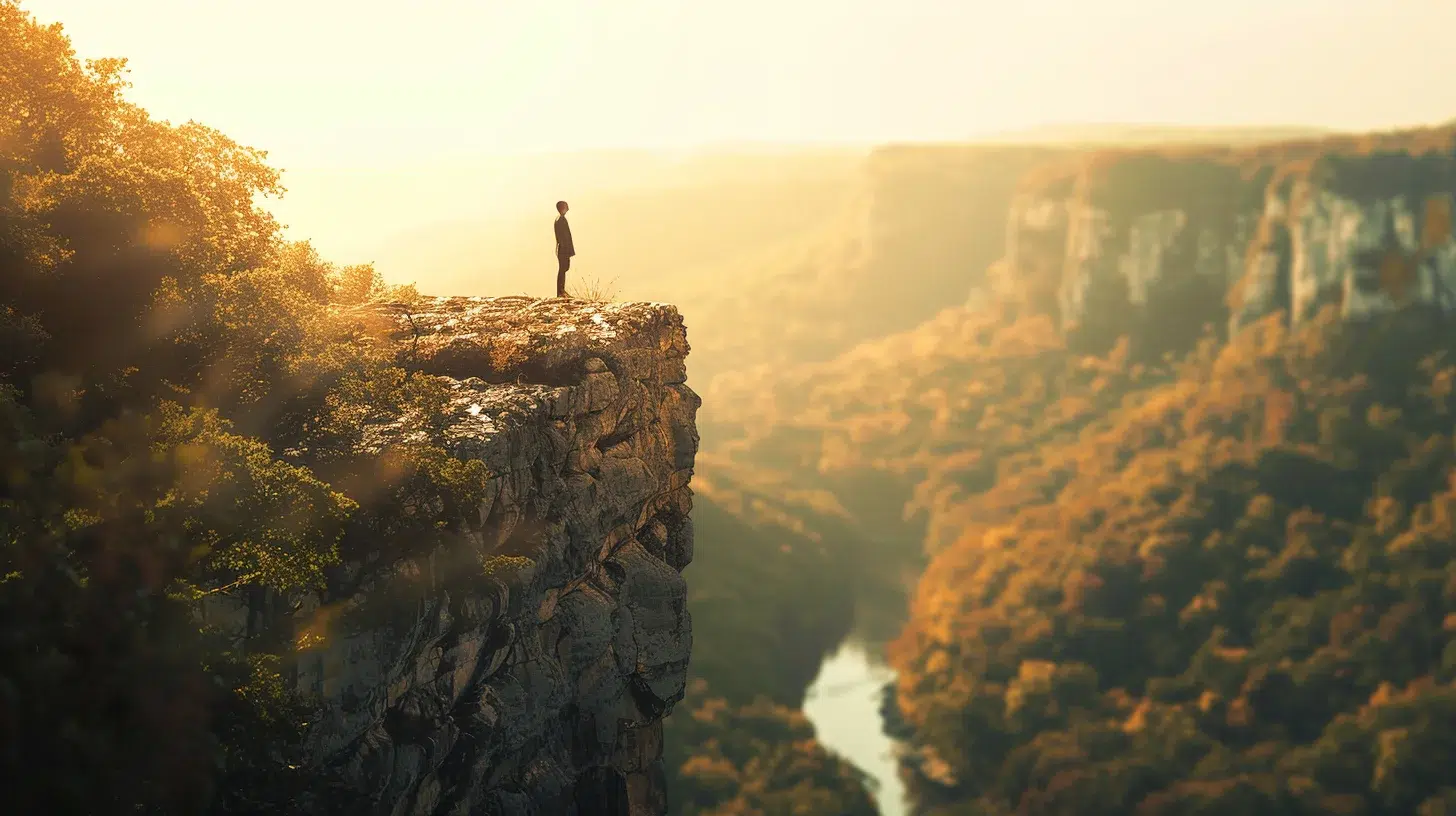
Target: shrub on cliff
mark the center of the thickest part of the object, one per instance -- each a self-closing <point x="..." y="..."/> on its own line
<point x="179" y="397"/>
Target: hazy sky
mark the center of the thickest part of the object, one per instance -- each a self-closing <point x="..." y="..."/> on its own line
<point x="350" y="82"/>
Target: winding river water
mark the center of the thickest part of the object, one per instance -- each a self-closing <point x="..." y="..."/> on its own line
<point x="844" y="704"/>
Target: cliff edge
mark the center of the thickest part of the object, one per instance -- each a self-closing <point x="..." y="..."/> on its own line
<point x="527" y="667"/>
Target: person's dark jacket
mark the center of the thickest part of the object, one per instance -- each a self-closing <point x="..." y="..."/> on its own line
<point x="564" y="247"/>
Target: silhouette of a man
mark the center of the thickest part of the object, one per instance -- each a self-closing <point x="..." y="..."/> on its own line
<point x="564" y="248"/>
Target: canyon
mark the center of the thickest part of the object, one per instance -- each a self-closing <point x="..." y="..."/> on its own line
<point x="1117" y="257"/>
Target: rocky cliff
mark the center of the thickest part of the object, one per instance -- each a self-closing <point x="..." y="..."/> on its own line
<point x="527" y="667"/>
<point x="1164" y="242"/>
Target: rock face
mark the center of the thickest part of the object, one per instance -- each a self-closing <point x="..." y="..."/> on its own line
<point x="527" y="668"/>
<point x="1122" y="241"/>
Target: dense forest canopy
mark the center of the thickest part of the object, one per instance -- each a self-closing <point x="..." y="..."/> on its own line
<point x="1230" y="592"/>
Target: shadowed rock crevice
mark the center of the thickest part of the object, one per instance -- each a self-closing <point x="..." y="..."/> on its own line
<point x="602" y="792"/>
<point x="525" y="667"/>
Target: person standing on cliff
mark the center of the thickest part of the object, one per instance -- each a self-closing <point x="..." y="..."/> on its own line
<point x="564" y="248"/>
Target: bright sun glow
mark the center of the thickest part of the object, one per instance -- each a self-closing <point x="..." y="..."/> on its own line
<point x="363" y="102"/>
<point x="350" y="82"/>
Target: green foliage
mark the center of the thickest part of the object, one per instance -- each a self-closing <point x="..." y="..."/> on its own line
<point x="259" y="727"/>
<point x="247" y="514"/>
<point x="182" y="396"/>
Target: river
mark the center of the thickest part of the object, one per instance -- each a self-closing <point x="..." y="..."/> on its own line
<point x="844" y="704"/>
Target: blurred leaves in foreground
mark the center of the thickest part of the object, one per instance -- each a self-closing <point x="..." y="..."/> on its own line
<point x="184" y="412"/>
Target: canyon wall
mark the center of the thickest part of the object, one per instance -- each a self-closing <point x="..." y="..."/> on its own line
<point x="527" y="667"/>
<point x="1169" y="243"/>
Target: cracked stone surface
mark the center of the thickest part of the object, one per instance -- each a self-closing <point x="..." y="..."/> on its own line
<point x="540" y="689"/>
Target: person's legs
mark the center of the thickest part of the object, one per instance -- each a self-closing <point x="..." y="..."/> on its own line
<point x="563" y="264"/>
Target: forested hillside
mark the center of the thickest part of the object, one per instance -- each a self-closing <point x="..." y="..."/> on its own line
<point x="1230" y="592"/>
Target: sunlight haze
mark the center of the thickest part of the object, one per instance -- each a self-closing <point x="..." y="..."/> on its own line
<point x="922" y="407"/>
<point x="342" y="83"/>
<point x="363" y="103"/>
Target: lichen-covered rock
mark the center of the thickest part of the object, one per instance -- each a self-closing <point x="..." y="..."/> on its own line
<point x="527" y="668"/>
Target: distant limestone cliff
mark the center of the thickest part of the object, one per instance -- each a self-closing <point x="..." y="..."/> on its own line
<point x="1109" y="241"/>
<point x="527" y="667"/>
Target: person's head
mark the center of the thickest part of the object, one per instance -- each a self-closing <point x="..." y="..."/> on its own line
<point x="561" y="207"/>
